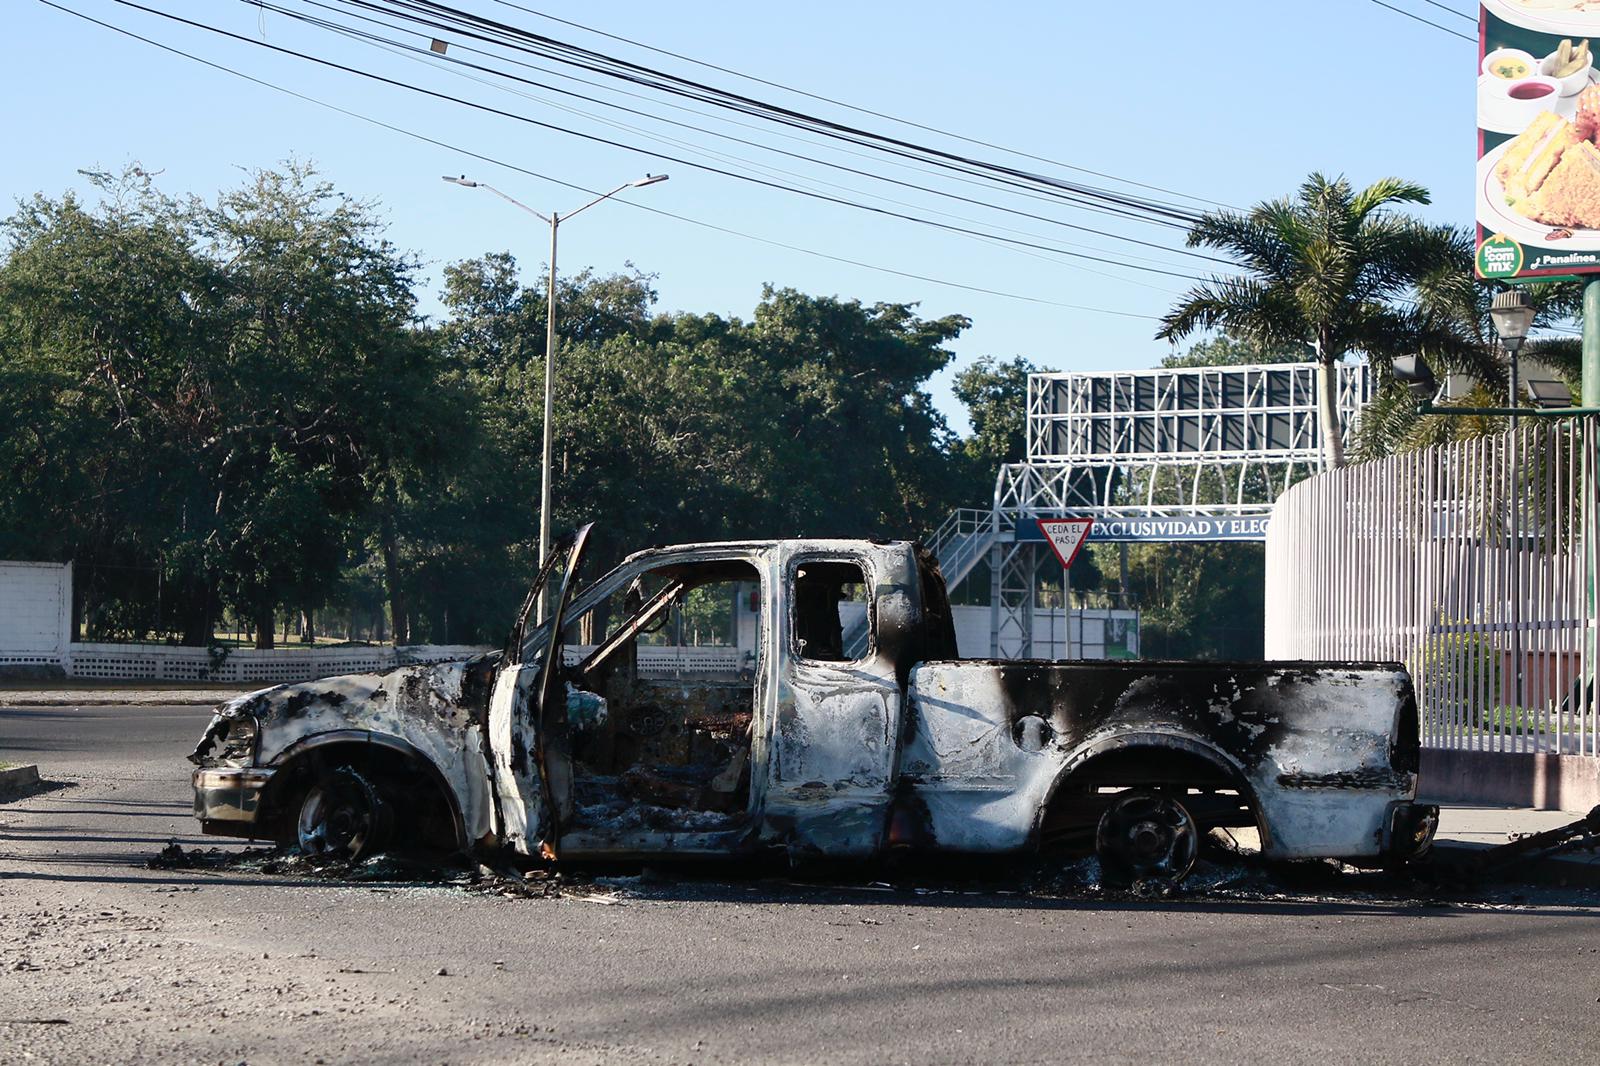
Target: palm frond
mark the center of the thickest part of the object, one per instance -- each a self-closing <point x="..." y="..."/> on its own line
<point x="1386" y="191"/>
<point x="1564" y="355"/>
<point x="1258" y="242"/>
<point x="1248" y="307"/>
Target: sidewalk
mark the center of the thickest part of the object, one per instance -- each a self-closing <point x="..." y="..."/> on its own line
<point x="1467" y="830"/>
<point x="71" y="693"/>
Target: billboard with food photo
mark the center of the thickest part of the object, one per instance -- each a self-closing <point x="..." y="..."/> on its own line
<point x="1538" y="191"/>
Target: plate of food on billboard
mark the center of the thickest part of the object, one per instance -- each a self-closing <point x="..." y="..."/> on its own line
<point x="1538" y="109"/>
<point x="1549" y="16"/>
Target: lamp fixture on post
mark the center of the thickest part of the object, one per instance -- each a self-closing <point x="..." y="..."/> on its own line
<point x="553" y="220"/>
<point x="1512" y="312"/>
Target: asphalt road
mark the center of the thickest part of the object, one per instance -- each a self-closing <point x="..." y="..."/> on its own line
<point x="103" y="959"/>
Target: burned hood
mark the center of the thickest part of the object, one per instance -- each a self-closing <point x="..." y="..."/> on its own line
<point x="439" y="699"/>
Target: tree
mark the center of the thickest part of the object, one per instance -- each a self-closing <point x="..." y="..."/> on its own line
<point x="1328" y="268"/>
<point x="1457" y="303"/>
<point x="1227" y="349"/>
<point x="231" y="407"/>
<point x="1198" y="601"/>
<point x="228" y="386"/>
<point x="812" y="418"/>
<point x="996" y="397"/>
<point x="108" y="328"/>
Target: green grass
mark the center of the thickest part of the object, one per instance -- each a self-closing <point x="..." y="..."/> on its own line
<point x="1508" y="721"/>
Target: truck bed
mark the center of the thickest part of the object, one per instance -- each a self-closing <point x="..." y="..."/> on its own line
<point x="1320" y="750"/>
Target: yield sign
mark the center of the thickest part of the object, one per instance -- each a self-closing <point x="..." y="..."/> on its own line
<point x="1066" y="536"/>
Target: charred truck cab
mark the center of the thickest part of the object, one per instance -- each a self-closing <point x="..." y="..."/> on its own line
<point x="855" y="731"/>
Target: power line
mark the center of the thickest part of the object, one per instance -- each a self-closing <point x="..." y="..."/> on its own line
<point x="432" y="56"/>
<point x="948" y="227"/>
<point x="1426" y="22"/>
<point x="985" y="182"/>
<point x="855" y="108"/>
<point x="803" y="178"/>
<point x="428" y="13"/>
<point x="429" y="56"/>
<point x="579" y="188"/>
<point x="1454" y="11"/>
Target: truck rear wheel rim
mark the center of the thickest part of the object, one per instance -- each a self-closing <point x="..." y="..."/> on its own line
<point x="1146" y="836"/>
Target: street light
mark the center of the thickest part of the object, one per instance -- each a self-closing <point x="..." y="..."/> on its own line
<point x="1512" y="312"/>
<point x="554" y="220"/>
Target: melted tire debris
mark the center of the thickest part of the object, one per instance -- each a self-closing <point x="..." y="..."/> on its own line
<point x="385" y="870"/>
<point x="1219" y="876"/>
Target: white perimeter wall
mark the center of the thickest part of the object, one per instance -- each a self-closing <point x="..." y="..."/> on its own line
<point x="1057" y="633"/>
<point x="35" y="613"/>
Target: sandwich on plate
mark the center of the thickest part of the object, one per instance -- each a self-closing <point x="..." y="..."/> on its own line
<point x="1551" y="172"/>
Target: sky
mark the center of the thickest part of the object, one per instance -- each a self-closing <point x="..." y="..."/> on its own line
<point x="1226" y="103"/>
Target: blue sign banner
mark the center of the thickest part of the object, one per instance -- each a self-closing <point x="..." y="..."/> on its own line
<point x="1173" y="528"/>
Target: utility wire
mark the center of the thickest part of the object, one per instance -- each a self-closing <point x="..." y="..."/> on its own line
<point x="855" y="108"/>
<point x="987" y="183"/>
<point x="1454" y="11"/>
<point x="687" y="146"/>
<point x="579" y="188"/>
<point x="430" y="56"/>
<point x="1426" y="22"/>
<point x="425" y="12"/>
<point x="886" y="212"/>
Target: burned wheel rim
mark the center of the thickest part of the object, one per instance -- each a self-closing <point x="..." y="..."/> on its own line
<point x="1146" y="836"/>
<point x="342" y="817"/>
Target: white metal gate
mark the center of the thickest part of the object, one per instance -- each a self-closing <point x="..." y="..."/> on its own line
<point x="1473" y="563"/>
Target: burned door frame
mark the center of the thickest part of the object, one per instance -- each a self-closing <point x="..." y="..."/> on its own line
<point x="595" y="842"/>
<point x="834" y="739"/>
<point x="529" y="751"/>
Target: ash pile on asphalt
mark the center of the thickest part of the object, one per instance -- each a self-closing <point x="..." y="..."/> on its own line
<point x="385" y="869"/>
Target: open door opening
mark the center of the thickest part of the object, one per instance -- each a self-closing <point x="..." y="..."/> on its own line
<point x="529" y="746"/>
<point x="660" y="696"/>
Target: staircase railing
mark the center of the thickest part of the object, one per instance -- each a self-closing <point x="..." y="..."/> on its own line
<point x="961" y="540"/>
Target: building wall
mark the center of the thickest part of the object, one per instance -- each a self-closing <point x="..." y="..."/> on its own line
<point x="35" y="614"/>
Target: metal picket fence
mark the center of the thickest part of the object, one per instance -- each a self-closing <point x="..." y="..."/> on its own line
<point x="1473" y="563"/>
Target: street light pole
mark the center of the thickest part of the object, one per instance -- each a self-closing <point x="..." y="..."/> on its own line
<point x="554" y="221"/>
<point x="549" y="401"/>
<point x="1512" y="313"/>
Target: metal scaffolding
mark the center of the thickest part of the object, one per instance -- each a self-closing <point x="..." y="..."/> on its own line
<point x="1195" y="453"/>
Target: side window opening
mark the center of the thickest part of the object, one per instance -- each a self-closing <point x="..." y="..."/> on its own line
<point x="660" y="689"/>
<point x="832" y="617"/>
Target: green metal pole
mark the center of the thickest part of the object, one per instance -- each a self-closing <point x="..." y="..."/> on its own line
<point x="1590" y="398"/>
<point x="1591" y="343"/>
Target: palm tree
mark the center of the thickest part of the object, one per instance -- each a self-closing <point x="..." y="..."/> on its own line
<point x="1455" y="301"/>
<point x="1331" y="268"/>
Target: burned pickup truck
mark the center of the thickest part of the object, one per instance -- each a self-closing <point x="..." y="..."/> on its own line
<point x="853" y="731"/>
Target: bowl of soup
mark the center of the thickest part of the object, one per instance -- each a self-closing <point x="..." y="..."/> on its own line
<point x="1510" y="64"/>
<point x="1529" y="96"/>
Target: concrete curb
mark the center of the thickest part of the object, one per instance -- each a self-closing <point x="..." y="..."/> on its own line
<point x="18" y="779"/>
<point x="1577" y="869"/>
